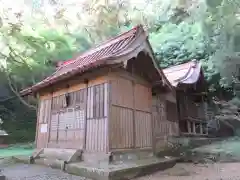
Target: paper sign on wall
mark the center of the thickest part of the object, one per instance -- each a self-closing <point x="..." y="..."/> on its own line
<point x="43" y="128"/>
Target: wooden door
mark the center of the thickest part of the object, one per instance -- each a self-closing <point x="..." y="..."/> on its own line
<point x="68" y="124"/>
<point x="97" y="124"/>
<point x="42" y="131"/>
<point x="71" y="128"/>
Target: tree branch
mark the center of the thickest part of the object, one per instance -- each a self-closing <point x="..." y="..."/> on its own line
<point x="16" y="93"/>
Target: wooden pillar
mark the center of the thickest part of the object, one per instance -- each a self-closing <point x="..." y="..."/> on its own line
<point x="86" y="113"/>
<point x="37" y="125"/>
<point x="109" y="105"/>
<point x="201" y="128"/>
<point x="194" y="127"/>
<point x="49" y="120"/>
<point x="189" y="127"/>
<point x="206" y="129"/>
<point x="134" y="112"/>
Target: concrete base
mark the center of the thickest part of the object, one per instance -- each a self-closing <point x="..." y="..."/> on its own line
<point x="120" y="171"/>
<point x="110" y="171"/>
<point x="2" y="177"/>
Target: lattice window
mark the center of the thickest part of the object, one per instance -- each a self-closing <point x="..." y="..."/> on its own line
<point x="96" y="101"/>
<point x="80" y="119"/>
<point x="54" y="122"/>
<point x="58" y="102"/>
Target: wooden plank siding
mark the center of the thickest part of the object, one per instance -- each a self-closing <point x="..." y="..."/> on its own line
<point x="111" y="112"/>
<point x="165" y="120"/>
<point x="192" y="116"/>
<point x="43" y="119"/>
<point x="190" y="109"/>
<point x="97" y="122"/>
<point x="79" y="122"/>
<point x="164" y="123"/>
<point x="130" y="113"/>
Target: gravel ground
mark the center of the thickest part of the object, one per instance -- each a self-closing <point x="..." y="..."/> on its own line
<point x="36" y="172"/>
<point x="184" y="171"/>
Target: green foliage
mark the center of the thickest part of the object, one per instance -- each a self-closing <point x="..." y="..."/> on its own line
<point x="178" y="43"/>
<point x="175" y="44"/>
<point x="221" y="26"/>
<point x="19" y="121"/>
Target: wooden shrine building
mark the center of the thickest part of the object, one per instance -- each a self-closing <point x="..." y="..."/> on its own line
<point x="190" y="86"/>
<point x="112" y="98"/>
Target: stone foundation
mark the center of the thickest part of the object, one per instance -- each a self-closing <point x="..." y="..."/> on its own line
<point x="101" y="166"/>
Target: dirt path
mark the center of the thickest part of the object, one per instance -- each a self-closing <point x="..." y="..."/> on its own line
<point x="226" y="171"/>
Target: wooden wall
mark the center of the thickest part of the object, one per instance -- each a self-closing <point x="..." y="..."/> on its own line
<point x="112" y="112"/>
<point x="193" y="115"/>
<point x="83" y="124"/>
<point x="189" y="108"/>
<point x="43" y="119"/>
<point x="165" y="119"/>
<point x="97" y="118"/>
<point x="130" y="113"/>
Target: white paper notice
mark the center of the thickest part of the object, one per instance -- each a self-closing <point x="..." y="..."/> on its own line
<point x="43" y="128"/>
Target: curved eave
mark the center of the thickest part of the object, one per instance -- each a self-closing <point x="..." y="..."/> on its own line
<point x="192" y="76"/>
<point x="184" y="74"/>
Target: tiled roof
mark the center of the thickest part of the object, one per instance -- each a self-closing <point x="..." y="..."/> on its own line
<point x="110" y="48"/>
<point x="107" y="51"/>
<point x="187" y="73"/>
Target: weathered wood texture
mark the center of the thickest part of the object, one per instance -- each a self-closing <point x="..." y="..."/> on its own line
<point x="188" y="108"/>
<point x="193" y="116"/>
<point x="110" y="112"/>
<point x="165" y="120"/>
<point x="44" y="113"/>
<point x="130" y="119"/>
<point x="75" y="114"/>
<point x="97" y="112"/>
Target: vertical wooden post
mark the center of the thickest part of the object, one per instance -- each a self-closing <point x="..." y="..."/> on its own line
<point x="109" y="105"/>
<point x="134" y="116"/>
<point x="201" y="128"/>
<point x="50" y="117"/>
<point x="37" y="125"/>
<point x="179" y="113"/>
<point x="152" y="125"/>
<point x="85" y="123"/>
<point x="109" y="114"/>
<point x="189" y="127"/>
<point x="49" y="120"/>
<point x="194" y="127"/>
<point x="206" y="129"/>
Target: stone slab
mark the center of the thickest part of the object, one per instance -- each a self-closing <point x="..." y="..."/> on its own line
<point x="120" y="171"/>
<point x="113" y="171"/>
